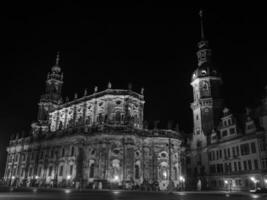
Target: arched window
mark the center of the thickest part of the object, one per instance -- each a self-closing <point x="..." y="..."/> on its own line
<point x="175" y="173"/>
<point x="118" y="116"/>
<point x="136" y="167"/>
<point x="92" y="168"/>
<point x="72" y="151"/>
<point x="63" y="152"/>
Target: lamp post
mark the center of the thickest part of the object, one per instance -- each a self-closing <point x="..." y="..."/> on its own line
<point x="227" y="183"/>
<point x="254" y="181"/>
<point x="182" y="180"/>
<point x="68" y="180"/>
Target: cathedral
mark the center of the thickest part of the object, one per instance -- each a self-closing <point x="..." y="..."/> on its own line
<point x="95" y="141"/>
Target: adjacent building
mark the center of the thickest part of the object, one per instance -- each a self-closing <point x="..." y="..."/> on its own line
<point x="225" y="152"/>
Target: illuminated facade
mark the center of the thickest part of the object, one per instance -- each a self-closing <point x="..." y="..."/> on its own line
<point x="97" y="141"/>
<point x="224" y="153"/>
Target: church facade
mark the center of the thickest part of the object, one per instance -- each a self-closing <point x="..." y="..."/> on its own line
<point x="95" y="141"/>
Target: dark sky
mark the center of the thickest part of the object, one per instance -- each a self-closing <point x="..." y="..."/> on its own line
<point x="154" y="48"/>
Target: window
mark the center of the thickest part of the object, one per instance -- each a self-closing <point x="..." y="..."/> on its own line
<point x="32" y="158"/>
<point x="63" y="152"/>
<point x="239" y="166"/>
<point x="253" y="147"/>
<point x="136" y="167"/>
<point x="237" y="150"/>
<point x="39" y="171"/>
<point x="244" y="149"/>
<point x="224" y="133"/>
<point x="263" y="146"/>
<point x="50" y="171"/>
<point x="245" y="165"/>
<point x="61" y="171"/>
<point x="249" y="165"/>
<point x="229" y="153"/>
<point x="225" y="167"/>
<point x="92" y="168"/>
<point x="233" y="151"/>
<point x="220" y="153"/>
<point x="264" y="163"/>
<point x="225" y="154"/>
<point x="72" y="151"/>
<point x="235" y="166"/>
<point x="71" y="169"/>
<point x="232" y="131"/>
<point x="256" y="166"/>
<point x="30" y="172"/>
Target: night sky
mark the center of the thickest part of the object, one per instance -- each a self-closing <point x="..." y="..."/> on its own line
<point x="154" y="48"/>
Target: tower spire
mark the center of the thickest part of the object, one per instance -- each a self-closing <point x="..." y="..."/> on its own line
<point x="201" y="25"/>
<point x="56" y="68"/>
<point x="57" y="58"/>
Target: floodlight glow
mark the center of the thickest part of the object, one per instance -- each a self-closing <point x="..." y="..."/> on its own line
<point x="36" y="177"/>
<point x="116" y="178"/>
<point x="225" y="181"/>
<point x="68" y="177"/>
<point x="165" y="174"/>
<point x="13" y="177"/>
<point x="67" y="191"/>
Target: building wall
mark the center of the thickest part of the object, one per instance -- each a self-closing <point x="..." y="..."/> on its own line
<point x="118" y="159"/>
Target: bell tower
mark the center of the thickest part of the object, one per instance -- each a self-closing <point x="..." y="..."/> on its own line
<point x="206" y="108"/>
<point x="207" y="104"/>
<point x="50" y="99"/>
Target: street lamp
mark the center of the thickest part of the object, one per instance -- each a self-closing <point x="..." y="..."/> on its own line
<point x="116" y="178"/>
<point x="254" y="181"/>
<point x="182" y="179"/>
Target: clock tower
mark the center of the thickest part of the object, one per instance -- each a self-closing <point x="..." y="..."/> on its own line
<point x="206" y="108"/>
<point x="207" y="104"/>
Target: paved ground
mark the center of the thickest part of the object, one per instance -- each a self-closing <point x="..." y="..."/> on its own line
<point x="125" y="195"/>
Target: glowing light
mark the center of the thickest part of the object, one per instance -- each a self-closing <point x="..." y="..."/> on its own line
<point x="165" y="174"/>
<point x="67" y="191"/>
<point x="253" y="179"/>
<point x="265" y="180"/>
<point x="68" y="177"/>
<point x="181" y="178"/>
<point x="36" y="177"/>
<point x="225" y="181"/>
<point x="13" y="177"/>
<point x="255" y="196"/>
<point x="116" y="178"/>
<point x="116" y="192"/>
